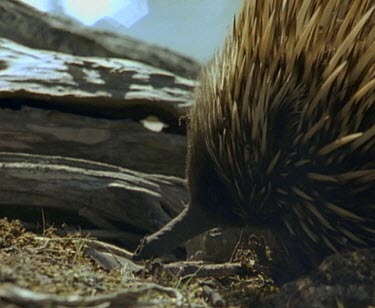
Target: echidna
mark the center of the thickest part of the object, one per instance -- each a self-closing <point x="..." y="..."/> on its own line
<point x="282" y="135"/>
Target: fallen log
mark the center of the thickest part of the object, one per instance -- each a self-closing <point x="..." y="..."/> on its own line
<point x="28" y="26"/>
<point x="124" y="143"/>
<point x="109" y="197"/>
<point x="111" y="88"/>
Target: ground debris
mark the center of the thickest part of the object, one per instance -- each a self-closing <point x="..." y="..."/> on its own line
<point x="49" y="270"/>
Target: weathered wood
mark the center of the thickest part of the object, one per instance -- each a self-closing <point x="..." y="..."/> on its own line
<point x="25" y="25"/>
<point x="69" y="89"/>
<point x="107" y="87"/>
<point x="12" y="295"/>
<point x="123" y="143"/>
<point x="200" y="269"/>
<point x="116" y="196"/>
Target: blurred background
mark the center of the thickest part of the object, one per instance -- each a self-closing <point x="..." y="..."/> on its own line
<point x="195" y="28"/>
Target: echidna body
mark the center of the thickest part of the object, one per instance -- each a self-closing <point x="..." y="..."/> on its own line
<point x="282" y="135"/>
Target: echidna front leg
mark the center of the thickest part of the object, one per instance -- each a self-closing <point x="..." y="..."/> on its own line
<point x="187" y="224"/>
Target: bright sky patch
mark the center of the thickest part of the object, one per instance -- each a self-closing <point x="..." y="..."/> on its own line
<point x="126" y="12"/>
<point x="88" y="12"/>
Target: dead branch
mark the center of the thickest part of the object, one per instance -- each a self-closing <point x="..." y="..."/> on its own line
<point x="200" y="269"/>
<point x="10" y="293"/>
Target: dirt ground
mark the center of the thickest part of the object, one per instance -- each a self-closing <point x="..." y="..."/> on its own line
<point x="48" y="270"/>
